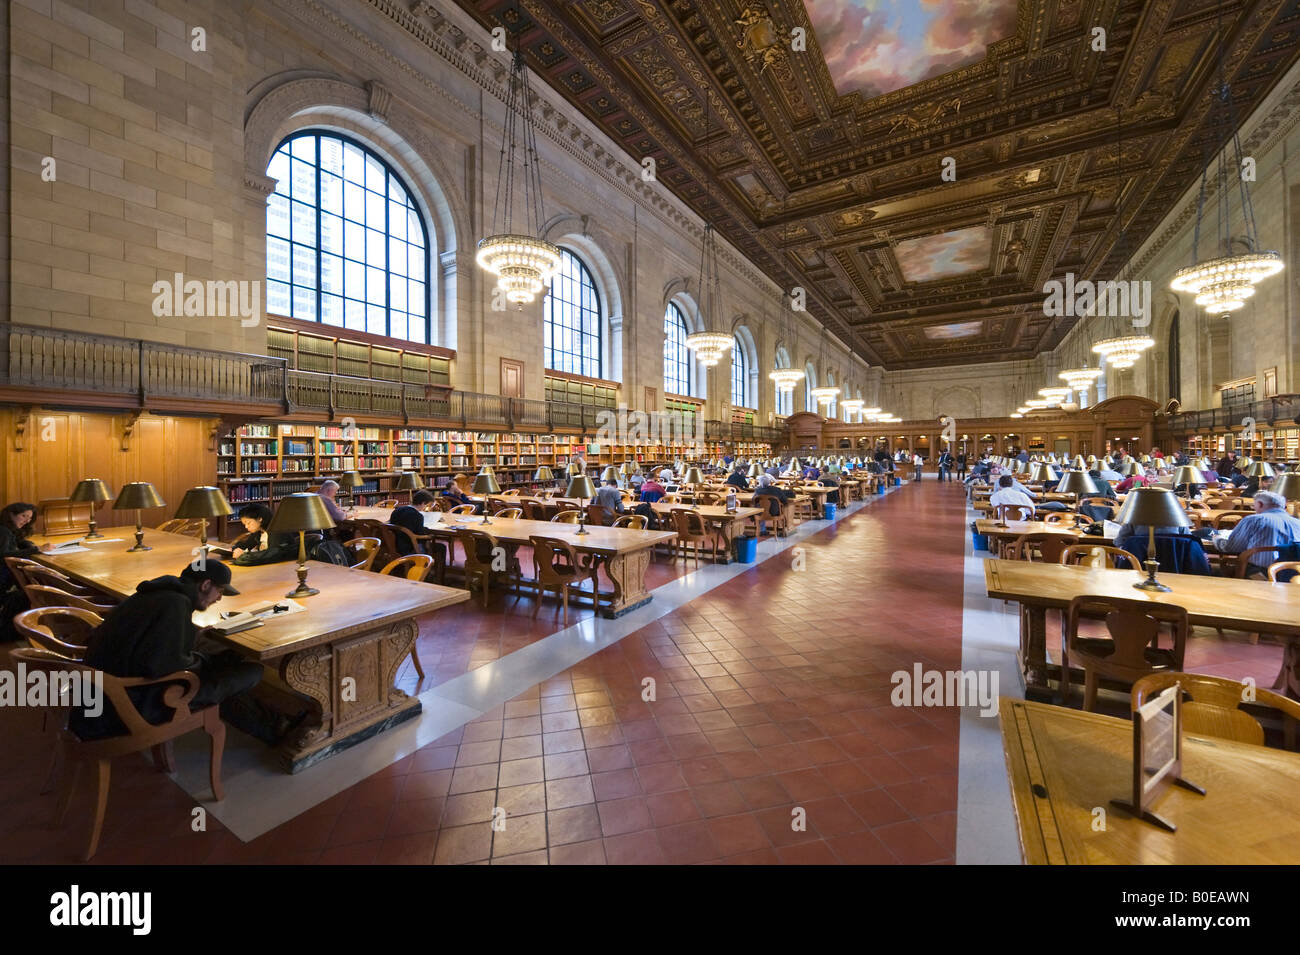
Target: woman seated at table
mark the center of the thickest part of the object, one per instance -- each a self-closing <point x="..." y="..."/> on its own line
<point x="458" y="491"/>
<point x="15" y="527"/>
<point x="259" y="545"/>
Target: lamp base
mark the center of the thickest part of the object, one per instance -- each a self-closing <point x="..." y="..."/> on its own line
<point x="139" y="541"/>
<point x="1152" y="585"/>
<point x="132" y="550"/>
<point x="302" y="590"/>
<point x="94" y="534"/>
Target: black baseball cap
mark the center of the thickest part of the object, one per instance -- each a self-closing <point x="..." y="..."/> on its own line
<point x="213" y="571"/>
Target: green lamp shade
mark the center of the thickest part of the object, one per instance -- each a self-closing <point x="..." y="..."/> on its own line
<point x="408" y="481"/>
<point x="574" y="468"/>
<point x="543" y="474"/>
<point x="609" y="474"/>
<point x="485" y="482"/>
<point x="138" y="496"/>
<point x="1080" y="463"/>
<point x="1288" y="485"/>
<point x="1260" y="469"/>
<point x="693" y="476"/>
<point x="1189" y="475"/>
<point x="1042" y="472"/>
<point x="1077" y="482"/>
<point x="300" y="512"/>
<point x="580" y="487"/>
<point x="627" y="468"/>
<point x="349" y="480"/>
<point x="204" y="502"/>
<point x="1153" y="507"/>
<point x="754" y="470"/>
<point x="1130" y="467"/>
<point x="90" y="491"/>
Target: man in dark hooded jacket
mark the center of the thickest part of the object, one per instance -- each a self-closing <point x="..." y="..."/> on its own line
<point x="150" y="634"/>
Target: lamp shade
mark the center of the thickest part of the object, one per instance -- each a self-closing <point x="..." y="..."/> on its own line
<point x="1188" y="475"/>
<point x="91" y="491"/>
<point x="627" y="468"/>
<point x="300" y="512"/>
<point x="1077" y="482"/>
<point x="136" y="496"/>
<point x="204" y="502"/>
<point x="485" y="482"/>
<point x="1153" y="507"/>
<point x="1288" y="485"/>
<point x="1079" y="463"/>
<point x="1042" y="472"/>
<point x="543" y="474"/>
<point x="574" y="468"/>
<point x="693" y="476"/>
<point x="408" y="481"/>
<point x="1260" y="469"/>
<point x="1130" y="467"/>
<point x="609" y="474"/>
<point x="580" y="486"/>
<point x="350" y="480"/>
<point x="754" y="470"/>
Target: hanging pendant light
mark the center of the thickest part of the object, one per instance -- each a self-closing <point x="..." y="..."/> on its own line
<point x="1055" y="394"/>
<point x="786" y="378"/>
<point x="1079" y="379"/>
<point x="1222" y="284"/>
<point x="826" y="393"/>
<point x="522" y="262"/>
<point x="708" y="346"/>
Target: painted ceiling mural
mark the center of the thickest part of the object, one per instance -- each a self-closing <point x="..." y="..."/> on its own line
<point x="823" y="168"/>
<point x="943" y="256"/>
<point x="878" y="46"/>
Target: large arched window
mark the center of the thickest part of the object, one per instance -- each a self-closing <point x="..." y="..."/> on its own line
<point x="677" y="357"/>
<point x="809" y="383"/>
<point x="345" y="243"/>
<point x="784" y="399"/>
<point x="739" y="374"/>
<point x="831" y="405"/>
<point x="572" y="325"/>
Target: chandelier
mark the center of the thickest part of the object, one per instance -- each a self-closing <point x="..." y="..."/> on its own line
<point x="708" y="346"/>
<point x="824" y="395"/>
<point x="1080" y="378"/>
<point x="1055" y="394"/>
<point x="852" y="405"/>
<point x="1038" y="404"/>
<point x="523" y="263"/>
<point x="1123" y="352"/>
<point x="1223" y="284"/>
<point x="786" y="379"/>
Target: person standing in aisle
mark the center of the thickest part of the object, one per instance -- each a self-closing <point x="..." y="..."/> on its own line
<point x="945" y="465"/>
<point x="917" y="464"/>
<point x="961" y="466"/>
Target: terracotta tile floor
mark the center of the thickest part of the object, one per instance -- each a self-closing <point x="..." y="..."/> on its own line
<point x="771" y="697"/>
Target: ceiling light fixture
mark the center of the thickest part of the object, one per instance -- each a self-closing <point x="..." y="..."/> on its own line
<point x="708" y="346"/>
<point x="523" y="263"/>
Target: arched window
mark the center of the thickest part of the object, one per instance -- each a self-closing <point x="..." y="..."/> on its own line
<point x="1175" y="362"/>
<point x="831" y="406"/>
<point x="784" y="399"/>
<point x="809" y="383"/>
<point x="739" y="374"/>
<point x="677" y="357"/>
<point x="345" y="243"/>
<point x="572" y="325"/>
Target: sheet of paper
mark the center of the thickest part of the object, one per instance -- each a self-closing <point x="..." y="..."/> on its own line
<point x="1110" y="529"/>
<point x="105" y="540"/>
<point x="71" y="549"/>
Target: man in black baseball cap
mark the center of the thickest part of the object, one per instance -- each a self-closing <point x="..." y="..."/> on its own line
<point x="151" y="634"/>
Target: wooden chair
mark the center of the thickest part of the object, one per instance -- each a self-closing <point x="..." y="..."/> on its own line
<point x="41" y="596"/>
<point x="599" y="515"/>
<point x="39" y="574"/>
<point x="691" y="530"/>
<point x="173" y="526"/>
<point x="62" y="630"/>
<point x="363" y="551"/>
<point x="462" y="509"/>
<point x="444" y="504"/>
<point x="1229" y="519"/>
<point x="1100" y="501"/>
<point x="1013" y="512"/>
<point x="388" y="502"/>
<point x="708" y="497"/>
<point x="413" y="567"/>
<point x="1099" y="555"/>
<point x="391" y="534"/>
<point x="140" y="734"/>
<point x="556" y="566"/>
<point x="636" y="522"/>
<point x="493" y="505"/>
<point x="510" y="492"/>
<point x="1284" y="565"/>
<point x="1197" y="505"/>
<point x="1241" y="561"/>
<point x="18" y="567"/>
<point x="1212" y="706"/>
<point x="510" y="513"/>
<point x="480" y="550"/>
<point x="1047" y="546"/>
<point x="568" y="515"/>
<point x="1131" y="652"/>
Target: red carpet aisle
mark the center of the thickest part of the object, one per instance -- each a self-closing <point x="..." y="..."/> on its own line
<point x="772" y="694"/>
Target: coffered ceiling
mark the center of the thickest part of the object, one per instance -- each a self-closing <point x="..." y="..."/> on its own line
<point x="824" y="165"/>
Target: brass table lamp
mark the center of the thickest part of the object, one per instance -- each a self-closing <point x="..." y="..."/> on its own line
<point x="580" y="486"/>
<point x="349" y="481"/>
<point x="1078" y="483"/>
<point x="137" y="496"/>
<point x="485" y="483"/>
<point x="609" y="474"/>
<point x="694" y="477"/>
<point x="1130" y="467"/>
<point x="204" y="502"/>
<point x="301" y="513"/>
<point x="410" y="482"/>
<point x="1288" y="485"/>
<point x="754" y="471"/>
<point x="574" y="469"/>
<point x="543" y="475"/>
<point x="1188" y="475"/>
<point x="94" y="492"/>
<point x="1042" y="473"/>
<point x="1154" y="507"/>
<point x="1260" y="469"/>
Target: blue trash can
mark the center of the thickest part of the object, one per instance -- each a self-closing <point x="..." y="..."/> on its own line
<point x="979" y="541"/>
<point x="880" y="487"/>
<point x="828" y="511"/>
<point x="746" y="549"/>
<point x="897" y="481"/>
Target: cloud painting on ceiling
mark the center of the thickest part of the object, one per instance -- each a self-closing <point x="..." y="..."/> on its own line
<point x="876" y="46"/>
<point x="947" y="333"/>
<point x="945" y="255"/>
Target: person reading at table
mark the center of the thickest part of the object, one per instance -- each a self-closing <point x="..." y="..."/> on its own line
<point x="738" y="480"/>
<point x="1269" y="526"/>
<point x="769" y="496"/>
<point x="150" y="634"/>
<point x="609" y="497"/>
<point x="329" y="491"/>
<point x="1134" y="480"/>
<point x="652" y="491"/>
<point x="458" y="490"/>
<point x="410" y="518"/>
<point x="1008" y="493"/>
<point x="1104" y="488"/>
<point x="830" y="479"/>
<point x="15" y="527"/>
<point x="423" y="499"/>
<point x="260" y="546"/>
